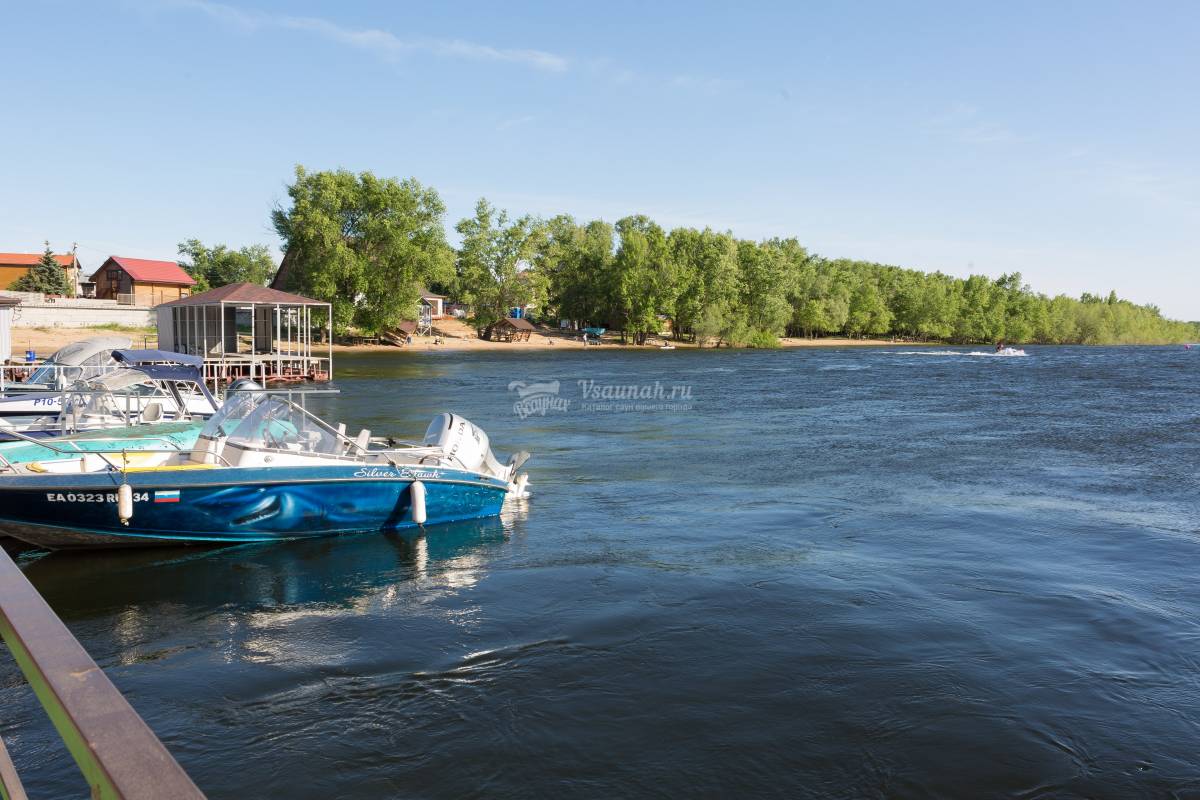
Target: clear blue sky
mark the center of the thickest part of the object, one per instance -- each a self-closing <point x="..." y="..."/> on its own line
<point x="1059" y="139"/>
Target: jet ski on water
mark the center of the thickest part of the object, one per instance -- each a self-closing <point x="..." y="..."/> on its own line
<point x="1006" y="350"/>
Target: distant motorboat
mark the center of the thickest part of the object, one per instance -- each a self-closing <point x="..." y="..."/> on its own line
<point x="666" y="347"/>
<point x="263" y="468"/>
<point x="1010" y="351"/>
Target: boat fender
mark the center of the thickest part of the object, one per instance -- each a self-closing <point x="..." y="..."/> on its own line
<point x="416" y="493"/>
<point x="124" y="502"/>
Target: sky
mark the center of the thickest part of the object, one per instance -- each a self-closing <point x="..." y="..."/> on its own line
<point x="1055" y="139"/>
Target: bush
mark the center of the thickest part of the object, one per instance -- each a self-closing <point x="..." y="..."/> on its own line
<point x="764" y="339"/>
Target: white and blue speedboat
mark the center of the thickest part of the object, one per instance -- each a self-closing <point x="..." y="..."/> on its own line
<point x="262" y="469"/>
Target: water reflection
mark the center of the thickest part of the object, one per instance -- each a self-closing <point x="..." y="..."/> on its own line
<point x="246" y="599"/>
<point x="331" y="571"/>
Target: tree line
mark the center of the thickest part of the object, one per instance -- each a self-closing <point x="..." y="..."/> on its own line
<point x="370" y="245"/>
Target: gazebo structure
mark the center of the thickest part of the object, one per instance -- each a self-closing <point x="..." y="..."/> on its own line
<point x="244" y="330"/>
<point x="508" y="329"/>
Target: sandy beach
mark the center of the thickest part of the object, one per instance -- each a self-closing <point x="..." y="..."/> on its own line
<point x="456" y="337"/>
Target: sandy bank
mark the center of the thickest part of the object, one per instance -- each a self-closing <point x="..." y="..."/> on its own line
<point x="45" y="341"/>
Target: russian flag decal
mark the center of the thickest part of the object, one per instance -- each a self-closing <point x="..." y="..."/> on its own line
<point x="171" y="496"/>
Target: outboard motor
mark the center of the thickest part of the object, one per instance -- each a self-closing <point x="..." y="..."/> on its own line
<point x="244" y="385"/>
<point x="462" y="442"/>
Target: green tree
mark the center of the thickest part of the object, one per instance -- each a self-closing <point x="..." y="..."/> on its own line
<point x="493" y="267"/>
<point x="220" y="266"/>
<point x="705" y="275"/>
<point x="46" y="276"/>
<point x="576" y="262"/>
<point x="642" y="277"/>
<point x="868" y="314"/>
<point x="367" y="245"/>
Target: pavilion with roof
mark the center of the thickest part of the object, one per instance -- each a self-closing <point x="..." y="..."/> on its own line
<point x="244" y="330"/>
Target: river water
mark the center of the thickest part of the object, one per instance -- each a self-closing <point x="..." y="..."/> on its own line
<point x="813" y="573"/>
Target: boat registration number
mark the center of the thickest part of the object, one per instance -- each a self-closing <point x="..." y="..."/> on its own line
<point x="92" y="497"/>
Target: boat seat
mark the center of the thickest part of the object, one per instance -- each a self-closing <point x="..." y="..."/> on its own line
<point x="153" y="412"/>
<point x="363" y="440"/>
<point x="172" y="467"/>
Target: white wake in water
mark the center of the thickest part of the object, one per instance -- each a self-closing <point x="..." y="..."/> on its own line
<point x="960" y="353"/>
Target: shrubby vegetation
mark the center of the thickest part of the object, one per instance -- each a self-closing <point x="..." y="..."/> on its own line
<point x="369" y="245"/>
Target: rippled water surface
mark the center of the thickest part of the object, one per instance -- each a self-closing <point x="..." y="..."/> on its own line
<point x="825" y="573"/>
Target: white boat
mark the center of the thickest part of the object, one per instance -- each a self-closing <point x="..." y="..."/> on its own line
<point x="1010" y="351"/>
<point x="147" y="386"/>
<point x="78" y="361"/>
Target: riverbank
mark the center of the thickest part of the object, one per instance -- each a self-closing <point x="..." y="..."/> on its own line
<point x="44" y="341"/>
<point x="540" y="341"/>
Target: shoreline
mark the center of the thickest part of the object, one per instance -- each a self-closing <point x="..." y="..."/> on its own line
<point x="45" y="341"/>
<point x="542" y="342"/>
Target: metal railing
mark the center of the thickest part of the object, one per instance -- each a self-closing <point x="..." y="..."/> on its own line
<point x="126" y="299"/>
<point x="118" y="754"/>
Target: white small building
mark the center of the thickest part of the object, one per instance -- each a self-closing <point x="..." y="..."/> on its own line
<point x="7" y="309"/>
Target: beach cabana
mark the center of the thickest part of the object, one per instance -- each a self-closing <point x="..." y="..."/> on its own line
<point x="244" y="330"/>
<point x="509" y="329"/>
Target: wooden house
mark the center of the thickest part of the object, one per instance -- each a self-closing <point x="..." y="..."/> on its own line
<point x="14" y="266"/>
<point x="141" y="281"/>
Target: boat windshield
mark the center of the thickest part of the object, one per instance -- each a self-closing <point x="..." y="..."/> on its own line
<point x="56" y="374"/>
<point x="119" y="380"/>
<point x="265" y="421"/>
<point x="43" y="374"/>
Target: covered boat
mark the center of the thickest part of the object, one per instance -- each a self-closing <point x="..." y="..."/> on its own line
<point x="263" y="468"/>
<point x="78" y="361"/>
<point x="147" y="386"/>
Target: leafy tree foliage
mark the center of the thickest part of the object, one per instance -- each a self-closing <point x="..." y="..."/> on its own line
<point x="492" y="272"/>
<point x="367" y="245"/>
<point x="220" y="266"/>
<point x="46" y="276"/>
<point x="721" y="290"/>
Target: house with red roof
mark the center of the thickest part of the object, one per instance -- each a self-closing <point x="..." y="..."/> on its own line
<point x="141" y="281"/>
<point x="14" y="266"/>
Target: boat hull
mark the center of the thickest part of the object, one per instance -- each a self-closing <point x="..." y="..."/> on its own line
<point x="235" y="505"/>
